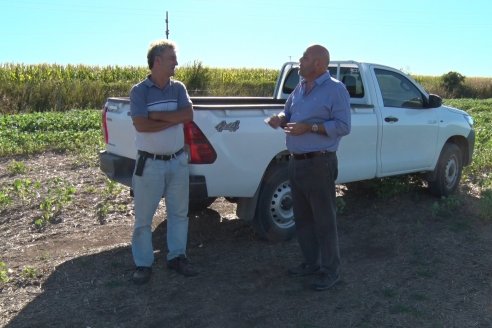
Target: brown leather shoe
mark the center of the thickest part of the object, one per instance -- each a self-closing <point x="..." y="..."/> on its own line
<point x="182" y="266"/>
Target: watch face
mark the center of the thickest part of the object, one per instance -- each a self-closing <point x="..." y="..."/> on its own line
<point x="314" y="128"/>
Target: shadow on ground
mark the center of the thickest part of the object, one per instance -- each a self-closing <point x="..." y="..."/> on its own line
<point x="400" y="267"/>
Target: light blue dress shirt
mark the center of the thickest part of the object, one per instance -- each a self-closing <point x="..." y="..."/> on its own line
<point x="328" y="103"/>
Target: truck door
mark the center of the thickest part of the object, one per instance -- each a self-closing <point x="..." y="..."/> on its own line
<point x="357" y="151"/>
<point x="409" y="129"/>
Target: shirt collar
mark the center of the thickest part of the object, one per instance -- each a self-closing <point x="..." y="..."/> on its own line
<point x="148" y="82"/>
<point x="322" y="78"/>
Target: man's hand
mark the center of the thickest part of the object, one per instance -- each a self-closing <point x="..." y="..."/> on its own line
<point x="296" y="129"/>
<point x="275" y="121"/>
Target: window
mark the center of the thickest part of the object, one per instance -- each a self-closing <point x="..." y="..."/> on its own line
<point x="350" y="76"/>
<point x="291" y="81"/>
<point x="398" y="91"/>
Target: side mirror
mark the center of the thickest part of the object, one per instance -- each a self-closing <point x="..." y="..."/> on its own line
<point x="434" y="101"/>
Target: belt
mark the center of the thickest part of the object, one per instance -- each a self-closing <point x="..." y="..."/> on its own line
<point x="161" y="157"/>
<point x="311" y="154"/>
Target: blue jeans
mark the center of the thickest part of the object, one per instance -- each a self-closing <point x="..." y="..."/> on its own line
<point x="171" y="179"/>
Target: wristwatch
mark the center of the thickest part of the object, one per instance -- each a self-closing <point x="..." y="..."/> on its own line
<point x="314" y="128"/>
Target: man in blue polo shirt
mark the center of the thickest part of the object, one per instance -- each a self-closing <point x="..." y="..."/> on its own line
<point x="159" y="106"/>
<point x="315" y="117"/>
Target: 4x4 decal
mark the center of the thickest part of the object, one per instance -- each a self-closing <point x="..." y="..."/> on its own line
<point x="232" y="126"/>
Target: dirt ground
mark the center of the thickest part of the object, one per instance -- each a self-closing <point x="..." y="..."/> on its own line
<point x="403" y="265"/>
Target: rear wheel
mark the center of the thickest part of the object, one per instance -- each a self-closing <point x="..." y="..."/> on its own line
<point x="448" y="171"/>
<point x="274" y="219"/>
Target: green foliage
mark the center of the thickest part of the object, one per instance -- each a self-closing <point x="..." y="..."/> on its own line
<point x="471" y="87"/>
<point x="5" y="199"/>
<point x="4" y="273"/>
<point x="29" y="273"/>
<point x="446" y="206"/>
<point x="393" y="186"/>
<point x="485" y="204"/>
<point x="480" y="170"/>
<point x="52" y="195"/>
<point x="41" y="88"/>
<point x="76" y="130"/>
<point x="15" y="167"/>
<point x="242" y="82"/>
<point x="452" y="81"/>
<point x="60" y="194"/>
<point x="196" y="78"/>
<point x="24" y="188"/>
<point x="107" y="205"/>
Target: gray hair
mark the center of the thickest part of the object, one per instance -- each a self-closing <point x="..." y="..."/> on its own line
<point x="156" y="48"/>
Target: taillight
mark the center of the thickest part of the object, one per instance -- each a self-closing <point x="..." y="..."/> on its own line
<point x="105" y="125"/>
<point x="200" y="149"/>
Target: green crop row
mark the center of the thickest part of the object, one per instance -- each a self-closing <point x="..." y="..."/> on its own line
<point x="75" y="130"/>
<point x="480" y="171"/>
<point x="80" y="131"/>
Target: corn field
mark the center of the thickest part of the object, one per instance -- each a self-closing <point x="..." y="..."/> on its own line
<point x="51" y="87"/>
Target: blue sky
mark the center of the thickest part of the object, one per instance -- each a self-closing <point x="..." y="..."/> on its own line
<point x="419" y="37"/>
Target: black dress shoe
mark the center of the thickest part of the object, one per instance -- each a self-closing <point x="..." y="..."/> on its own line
<point x="141" y="275"/>
<point x="182" y="266"/>
<point x="325" y="281"/>
<point x="303" y="270"/>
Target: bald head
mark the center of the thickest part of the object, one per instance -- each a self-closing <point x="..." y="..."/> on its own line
<point x="314" y="62"/>
<point x="320" y="53"/>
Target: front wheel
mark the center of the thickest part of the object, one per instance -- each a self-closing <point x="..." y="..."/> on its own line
<point x="448" y="171"/>
<point x="274" y="219"/>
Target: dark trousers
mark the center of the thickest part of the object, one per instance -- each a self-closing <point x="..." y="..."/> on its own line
<point x="314" y="201"/>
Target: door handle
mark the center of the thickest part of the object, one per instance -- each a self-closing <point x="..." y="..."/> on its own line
<point x="391" y="119"/>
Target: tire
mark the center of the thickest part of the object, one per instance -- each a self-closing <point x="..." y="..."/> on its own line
<point x="448" y="170"/>
<point x="274" y="219"/>
<point x="196" y="205"/>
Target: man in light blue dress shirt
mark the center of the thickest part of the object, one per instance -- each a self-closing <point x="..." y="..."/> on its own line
<point x="315" y="117"/>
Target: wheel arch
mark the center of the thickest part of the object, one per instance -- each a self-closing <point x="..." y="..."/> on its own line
<point x="462" y="143"/>
<point x="459" y="141"/>
<point x="445" y="178"/>
<point x="246" y="206"/>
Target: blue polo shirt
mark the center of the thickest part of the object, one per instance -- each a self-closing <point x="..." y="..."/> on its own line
<point x="328" y="103"/>
<point x="146" y="97"/>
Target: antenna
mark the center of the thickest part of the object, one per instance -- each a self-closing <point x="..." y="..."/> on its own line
<point x="167" y="26"/>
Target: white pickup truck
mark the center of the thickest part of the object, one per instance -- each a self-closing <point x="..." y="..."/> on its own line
<point x="397" y="128"/>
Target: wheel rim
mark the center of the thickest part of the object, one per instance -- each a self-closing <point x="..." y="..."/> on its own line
<point x="451" y="172"/>
<point x="281" y="206"/>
